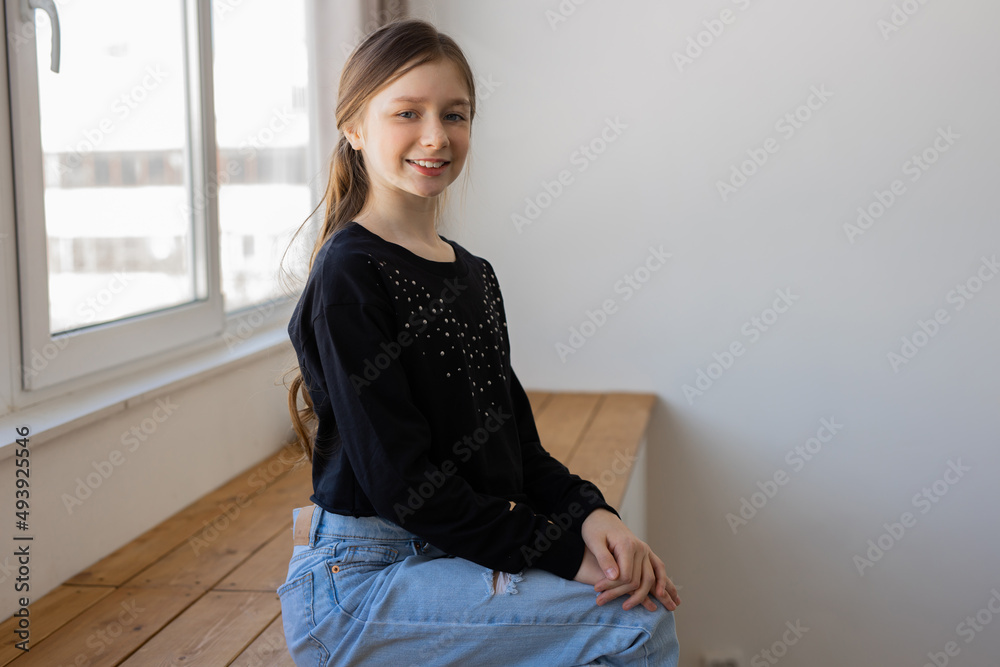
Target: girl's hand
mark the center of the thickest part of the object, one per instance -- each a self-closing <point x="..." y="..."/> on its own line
<point x="627" y="564"/>
<point x="590" y="573"/>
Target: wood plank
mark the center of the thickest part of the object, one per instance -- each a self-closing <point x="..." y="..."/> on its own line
<point x="49" y="613"/>
<point x="202" y="561"/>
<point x="563" y="422"/>
<point x="125" y="562"/>
<point x="607" y="450"/>
<point x="266" y="569"/>
<point x="538" y="400"/>
<point x="110" y="629"/>
<point x="268" y="650"/>
<point x="210" y="632"/>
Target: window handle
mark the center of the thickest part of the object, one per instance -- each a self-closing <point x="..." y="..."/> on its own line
<point x="28" y="8"/>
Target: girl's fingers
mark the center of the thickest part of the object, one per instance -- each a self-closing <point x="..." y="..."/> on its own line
<point x="672" y="591"/>
<point x="665" y="590"/>
<point x="639" y="564"/>
<point x="646" y="583"/>
<point x="635" y="594"/>
<point x="649" y="580"/>
<point x="650" y="588"/>
<point x="626" y="565"/>
<point x="629" y="569"/>
<point x="670" y="598"/>
<point x="614" y="592"/>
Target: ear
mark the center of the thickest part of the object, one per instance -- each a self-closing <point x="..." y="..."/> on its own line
<point x="355" y="137"/>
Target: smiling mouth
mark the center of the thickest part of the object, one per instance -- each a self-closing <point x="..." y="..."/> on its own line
<point x="423" y="167"/>
<point x="429" y="164"/>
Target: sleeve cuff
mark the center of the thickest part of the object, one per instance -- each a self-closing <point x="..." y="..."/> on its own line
<point x="586" y="499"/>
<point x="558" y="550"/>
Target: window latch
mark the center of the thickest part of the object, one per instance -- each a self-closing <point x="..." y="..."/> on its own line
<point x="28" y="8"/>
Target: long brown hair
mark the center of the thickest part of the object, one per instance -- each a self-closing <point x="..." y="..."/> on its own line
<point x="382" y="57"/>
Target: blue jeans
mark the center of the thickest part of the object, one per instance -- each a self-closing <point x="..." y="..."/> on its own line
<point x="364" y="591"/>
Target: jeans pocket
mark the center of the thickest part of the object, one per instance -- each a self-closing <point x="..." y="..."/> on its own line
<point x="298" y="620"/>
<point x="297" y="604"/>
<point x="353" y="572"/>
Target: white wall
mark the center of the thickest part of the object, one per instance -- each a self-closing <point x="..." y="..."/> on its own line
<point x="826" y="356"/>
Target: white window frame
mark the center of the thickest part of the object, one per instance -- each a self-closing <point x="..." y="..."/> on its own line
<point x="93" y="372"/>
<point x="72" y="355"/>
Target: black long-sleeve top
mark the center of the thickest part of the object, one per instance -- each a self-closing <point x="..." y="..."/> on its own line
<point x="421" y="419"/>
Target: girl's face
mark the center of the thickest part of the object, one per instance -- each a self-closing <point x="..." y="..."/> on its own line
<point x="421" y="116"/>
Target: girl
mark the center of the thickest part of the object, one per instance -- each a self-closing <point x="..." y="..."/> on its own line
<point x="440" y="531"/>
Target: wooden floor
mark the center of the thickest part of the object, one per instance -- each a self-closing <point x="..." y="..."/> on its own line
<point x="199" y="588"/>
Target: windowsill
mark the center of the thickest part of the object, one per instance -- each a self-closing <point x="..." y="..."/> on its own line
<point x="62" y="415"/>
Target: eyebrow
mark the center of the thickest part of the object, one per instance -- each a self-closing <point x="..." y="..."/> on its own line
<point x="458" y="102"/>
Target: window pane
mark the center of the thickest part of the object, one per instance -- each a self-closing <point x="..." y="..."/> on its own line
<point x="262" y="132"/>
<point x="114" y="128"/>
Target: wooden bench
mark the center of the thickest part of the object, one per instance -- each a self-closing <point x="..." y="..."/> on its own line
<point x="199" y="588"/>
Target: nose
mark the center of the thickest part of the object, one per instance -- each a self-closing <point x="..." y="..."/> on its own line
<point x="434" y="135"/>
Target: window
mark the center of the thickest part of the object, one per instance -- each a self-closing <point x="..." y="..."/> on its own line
<point x="155" y="193"/>
<point x="262" y="130"/>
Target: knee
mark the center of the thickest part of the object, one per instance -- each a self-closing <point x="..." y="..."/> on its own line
<point x="663" y="641"/>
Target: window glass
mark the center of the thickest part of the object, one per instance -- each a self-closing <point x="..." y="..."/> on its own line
<point x="114" y="130"/>
<point x="262" y="132"/>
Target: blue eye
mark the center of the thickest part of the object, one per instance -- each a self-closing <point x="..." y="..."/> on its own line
<point x="459" y="116"/>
